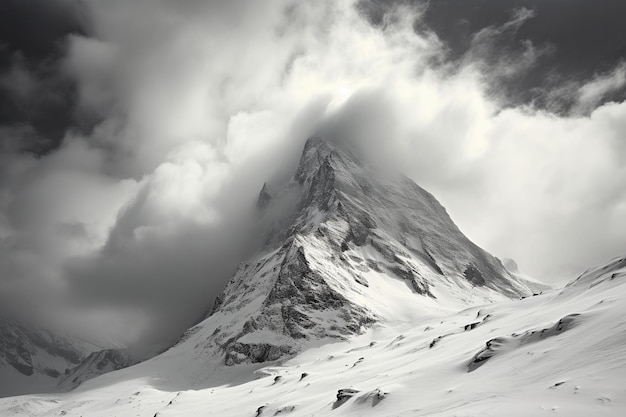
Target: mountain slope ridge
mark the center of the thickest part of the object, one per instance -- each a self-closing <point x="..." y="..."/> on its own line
<point x="354" y="267"/>
<point x="357" y="240"/>
<point x="348" y="246"/>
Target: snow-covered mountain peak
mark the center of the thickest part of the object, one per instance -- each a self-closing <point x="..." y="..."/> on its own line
<point x="372" y="261"/>
<point x="316" y="152"/>
<point x="348" y="247"/>
<point x="387" y="210"/>
<point x="357" y="246"/>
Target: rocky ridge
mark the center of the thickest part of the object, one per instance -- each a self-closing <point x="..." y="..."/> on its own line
<point x="354" y="241"/>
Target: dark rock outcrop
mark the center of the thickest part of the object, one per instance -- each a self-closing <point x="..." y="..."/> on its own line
<point x="344" y="395"/>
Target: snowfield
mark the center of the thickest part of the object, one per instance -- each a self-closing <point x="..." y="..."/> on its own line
<point x="559" y="353"/>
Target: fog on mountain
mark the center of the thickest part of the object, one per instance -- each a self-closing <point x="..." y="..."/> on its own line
<point x="289" y="208"/>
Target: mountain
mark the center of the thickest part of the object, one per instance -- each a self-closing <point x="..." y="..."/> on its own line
<point x="364" y="300"/>
<point x="557" y="353"/>
<point x="33" y="359"/>
<point x="534" y="285"/>
<point x="353" y="245"/>
<point x="95" y="364"/>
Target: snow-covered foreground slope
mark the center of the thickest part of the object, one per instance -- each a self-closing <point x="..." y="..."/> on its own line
<point x="559" y="353"/>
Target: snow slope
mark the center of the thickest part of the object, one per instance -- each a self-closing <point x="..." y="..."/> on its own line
<point x="559" y="353"/>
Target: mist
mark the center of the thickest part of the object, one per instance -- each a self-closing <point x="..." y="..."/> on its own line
<point x="140" y="215"/>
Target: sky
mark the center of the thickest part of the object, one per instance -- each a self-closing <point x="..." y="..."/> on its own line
<point x="136" y="135"/>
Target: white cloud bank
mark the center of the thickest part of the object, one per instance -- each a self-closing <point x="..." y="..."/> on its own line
<point x="141" y="222"/>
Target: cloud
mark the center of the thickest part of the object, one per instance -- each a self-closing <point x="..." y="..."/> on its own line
<point x="18" y="80"/>
<point x="139" y="222"/>
<point x="592" y="93"/>
<point x="92" y="63"/>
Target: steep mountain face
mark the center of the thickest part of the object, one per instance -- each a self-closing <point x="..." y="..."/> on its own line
<point x="353" y="245"/>
<point x="347" y="245"/>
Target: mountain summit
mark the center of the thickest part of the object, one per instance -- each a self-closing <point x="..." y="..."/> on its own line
<point x="353" y="245"/>
<point x="357" y="254"/>
<point x="347" y="246"/>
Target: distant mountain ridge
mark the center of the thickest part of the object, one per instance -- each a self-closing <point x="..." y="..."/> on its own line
<point x="95" y="364"/>
<point x="33" y="359"/>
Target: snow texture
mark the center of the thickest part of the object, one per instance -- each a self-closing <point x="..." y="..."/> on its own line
<point x="558" y="353"/>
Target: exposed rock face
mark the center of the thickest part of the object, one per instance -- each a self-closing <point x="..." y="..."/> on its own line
<point x="394" y="215"/>
<point x="298" y="305"/>
<point x="255" y="352"/>
<point x="474" y="275"/>
<point x="353" y="232"/>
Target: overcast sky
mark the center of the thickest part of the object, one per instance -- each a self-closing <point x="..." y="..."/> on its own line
<point x="135" y="136"/>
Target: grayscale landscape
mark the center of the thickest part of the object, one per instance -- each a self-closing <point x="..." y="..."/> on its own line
<point x="334" y="208"/>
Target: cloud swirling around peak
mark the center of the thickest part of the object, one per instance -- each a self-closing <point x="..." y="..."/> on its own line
<point x="196" y="104"/>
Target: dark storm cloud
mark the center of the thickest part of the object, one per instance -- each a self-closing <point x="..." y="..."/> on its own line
<point x="37" y="27"/>
<point x="577" y="40"/>
<point x="176" y="113"/>
<point x="161" y="191"/>
<point x="34" y="92"/>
